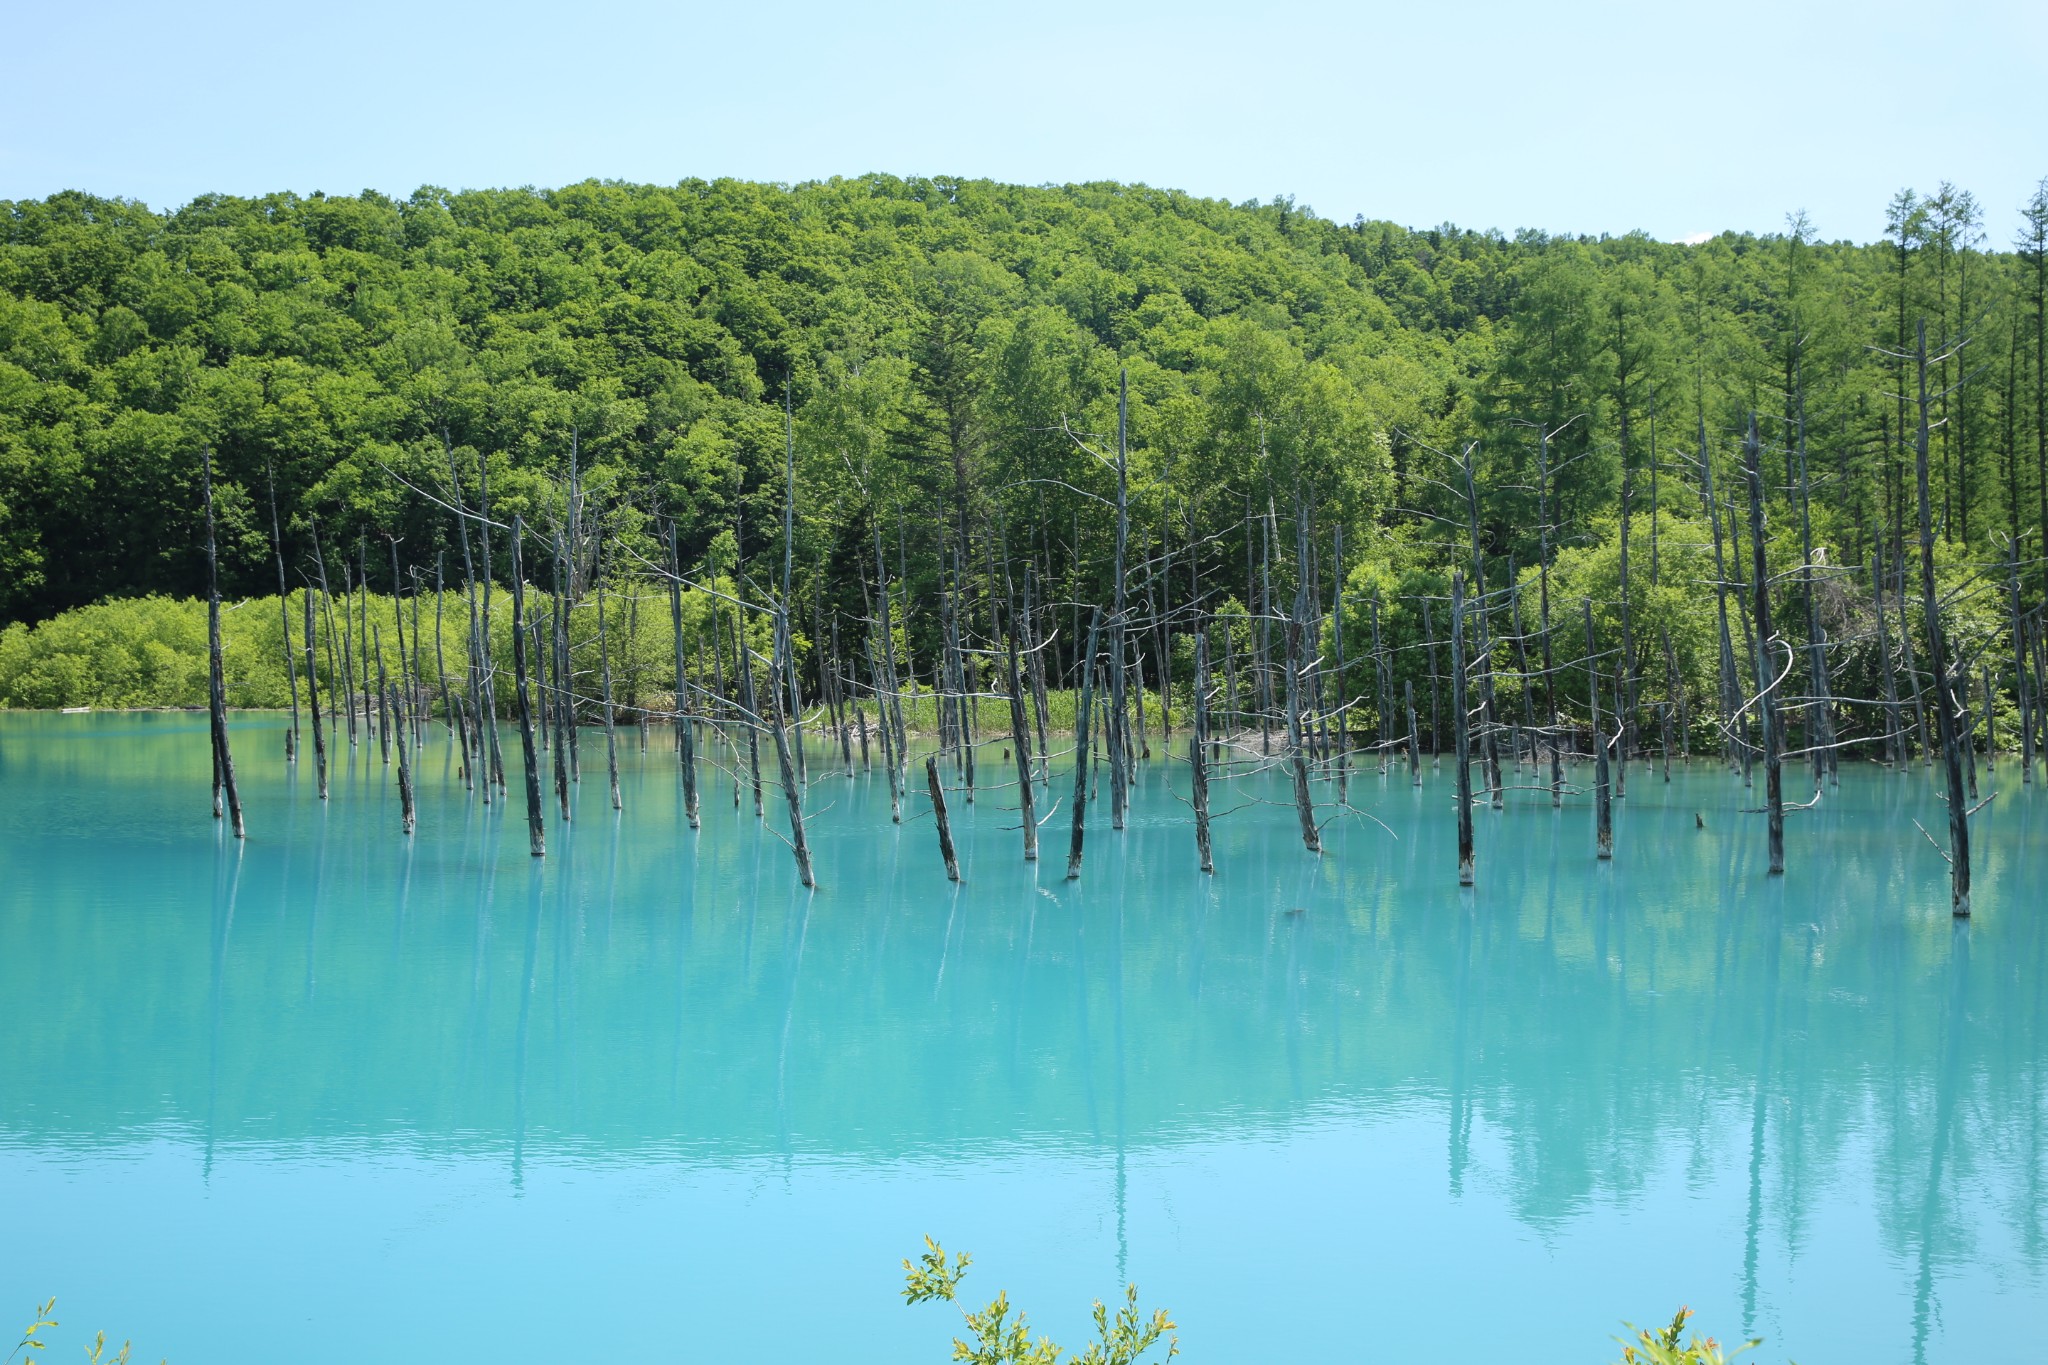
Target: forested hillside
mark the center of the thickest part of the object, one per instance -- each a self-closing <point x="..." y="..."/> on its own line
<point x="941" y="345"/>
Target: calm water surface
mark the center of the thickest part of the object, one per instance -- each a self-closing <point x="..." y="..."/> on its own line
<point x="345" y="1098"/>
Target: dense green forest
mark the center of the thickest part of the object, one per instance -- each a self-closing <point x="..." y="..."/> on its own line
<point x="937" y="367"/>
<point x="933" y="337"/>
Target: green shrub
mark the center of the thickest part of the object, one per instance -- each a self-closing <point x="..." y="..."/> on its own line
<point x="999" y="1339"/>
<point x="1662" y="1348"/>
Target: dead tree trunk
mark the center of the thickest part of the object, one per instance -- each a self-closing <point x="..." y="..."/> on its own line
<point x="217" y="688"/>
<point x="792" y="792"/>
<point x="1198" y="759"/>
<point x="752" y="722"/>
<point x="562" y="701"/>
<point x="604" y="658"/>
<point x="1894" y="736"/>
<point x="686" y="735"/>
<point x="284" y="619"/>
<point x="1766" y="686"/>
<point x="1938" y="664"/>
<point x="1603" y="791"/>
<point x="1461" y="726"/>
<point x="535" y="831"/>
<point x="1020" y="741"/>
<point x="313" y="700"/>
<point x="1712" y="508"/>
<point x="1624" y="740"/>
<point x="2019" y="665"/>
<point x="1414" y="738"/>
<point x="405" y="796"/>
<point x="1087" y="704"/>
<point x="945" y="827"/>
<point x="1297" y="740"/>
<point x="1343" y="698"/>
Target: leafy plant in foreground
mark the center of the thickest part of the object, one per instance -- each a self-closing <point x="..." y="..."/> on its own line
<point x="999" y="1339"/>
<point x="32" y="1342"/>
<point x="1662" y="1348"/>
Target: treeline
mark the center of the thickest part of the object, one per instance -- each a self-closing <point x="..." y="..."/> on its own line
<point x="930" y="340"/>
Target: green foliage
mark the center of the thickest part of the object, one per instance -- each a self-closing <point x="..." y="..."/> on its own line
<point x="949" y="351"/>
<point x="31" y="1346"/>
<point x="936" y="335"/>
<point x="996" y="1338"/>
<point x="1661" y="1347"/>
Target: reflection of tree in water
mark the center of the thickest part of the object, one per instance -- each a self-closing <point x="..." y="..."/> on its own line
<point x="1948" y="1081"/>
<point x="1578" y="1033"/>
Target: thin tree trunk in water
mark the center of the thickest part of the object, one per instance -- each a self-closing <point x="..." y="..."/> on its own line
<point x="398" y="627"/>
<point x="561" y="702"/>
<point x="792" y="792"/>
<point x="686" y="735"/>
<point x="494" y="751"/>
<point x="546" y="717"/>
<point x="1664" y="736"/>
<point x="1937" y="663"/>
<point x="348" y="652"/>
<point x="1436" y="740"/>
<point x="383" y="689"/>
<point x="1379" y="682"/>
<point x="414" y="703"/>
<point x="405" y="798"/>
<point x="2019" y="664"/>
<point x="475" y="763"/>
<point x="1923" y="733"/>
<point x="1265" y="665"/>
<point x="753" y="720"/>
<point x="1120" y="746"/>
<point x="604" y="658"/>
<point x="327" y="607"/>
<point x="449" y="716"/>
<point x="1414" y="737"/>
<point x="938" y="792"/>
<point x="1162" y="668"/>
<point x="536" y="834"/>
<point x="217" y="688"/>
<point x="1820" y="731"/>
<point x="1626" y="701"/>
<point x="373" y="637"/>
<point x="1197" y="759"/>
<point x="284" y="615"/>
<point x="1080" y="803"/>
<point x="1521" y="633"/>
<point x="1553" y="720"/>
<point x="1674" y="691"/>
<point x="1603" y="792"/>
<point x="839" y="702"/>
<point x="1343" y="699"/>
<point x="888" y="733"/>
<point x="1894" y="738"/>
<point x="1020" y="743"/>
<point x="1141" y="746"/>
<point x="1036" y="667"/>
<point x="893" y="713"/>
<point x="313" y="700"/>
<point x="1767" y="691"/>
<point x="371" y="715"/>
<point x="1728" y="689"/>
<point x="396" y="702"/>
<point x="1490" y="734"/>
<point x="1461" y="725"/>
<point x="1297" y="756"/>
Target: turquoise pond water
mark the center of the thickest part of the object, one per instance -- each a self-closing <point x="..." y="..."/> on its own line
<point x="348" y="1098"/>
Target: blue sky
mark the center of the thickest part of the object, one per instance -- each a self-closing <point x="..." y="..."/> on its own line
<point x="1592" y="117"/>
